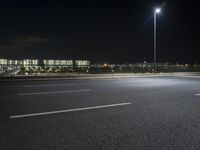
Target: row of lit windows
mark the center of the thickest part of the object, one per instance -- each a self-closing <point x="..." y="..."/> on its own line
<point x="18" y="62"/>
<point x="29" y="62"/>
<point x="35" y="62"/>
<point x="58" y="62"/>
<point x="82" y="62"/>
<point x="3" y="61"/>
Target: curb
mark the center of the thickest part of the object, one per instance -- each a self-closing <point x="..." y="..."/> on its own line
<point x="81" y="78"/>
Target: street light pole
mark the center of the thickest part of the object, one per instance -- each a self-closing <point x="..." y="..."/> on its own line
<point x="154" y="58"/>
<point x="156" y="11"/>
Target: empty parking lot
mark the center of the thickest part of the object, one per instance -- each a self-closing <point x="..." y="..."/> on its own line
<point x="125" y="113"/>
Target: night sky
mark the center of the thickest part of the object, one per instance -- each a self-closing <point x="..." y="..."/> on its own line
<point x="101" y="31"/>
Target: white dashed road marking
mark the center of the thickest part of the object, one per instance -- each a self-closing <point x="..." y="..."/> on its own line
<point x="68" y="110"/>
<point x="45" y="85"/>
<point x="54" y="92"/>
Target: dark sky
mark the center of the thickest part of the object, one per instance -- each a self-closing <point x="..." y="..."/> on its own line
<point x="101" y="31"/>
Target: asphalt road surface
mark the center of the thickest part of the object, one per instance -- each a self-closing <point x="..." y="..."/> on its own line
<point x="156" y="113"/>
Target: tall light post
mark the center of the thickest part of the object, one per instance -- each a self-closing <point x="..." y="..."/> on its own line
<point x="156" y="11"/>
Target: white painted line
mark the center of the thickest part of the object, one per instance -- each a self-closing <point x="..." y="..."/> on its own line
<point x="54" y="92"/>
<point x="41" y="85"/>
<point x="68" y="110"/>
<point x="197" y="77"/>
<point x="197" y="94"/>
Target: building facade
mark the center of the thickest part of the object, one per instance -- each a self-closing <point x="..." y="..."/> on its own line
<point x="46" y="63"/>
